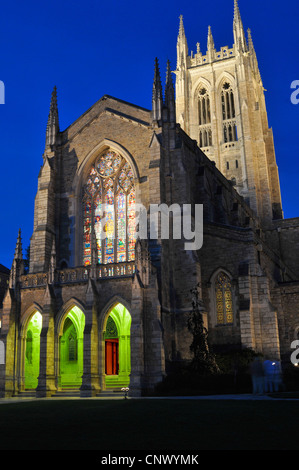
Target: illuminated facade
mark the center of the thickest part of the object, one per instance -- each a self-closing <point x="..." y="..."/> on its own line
<point x="101" y="308"/>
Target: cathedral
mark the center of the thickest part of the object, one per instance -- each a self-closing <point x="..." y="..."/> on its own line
<point x="103" y="306"/>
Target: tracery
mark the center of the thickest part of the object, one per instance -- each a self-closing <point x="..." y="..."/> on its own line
<point x="228" y="113"/>
<point x="224" y="299"/>
<point x="109" y="211"/>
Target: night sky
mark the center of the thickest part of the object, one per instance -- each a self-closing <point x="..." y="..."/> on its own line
<point x="91" y="48"/>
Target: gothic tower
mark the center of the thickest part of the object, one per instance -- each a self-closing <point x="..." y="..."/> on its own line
<point x="220" y="103"/>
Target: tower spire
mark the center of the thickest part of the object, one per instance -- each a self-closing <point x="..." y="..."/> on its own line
<point x="239" y="35"/>
<point x="53" y="121"/>
<point x="237" y="14"/>
<point x="181" y="28"/>
<point x="157" y="97"/>
<point x="182" y="46"/>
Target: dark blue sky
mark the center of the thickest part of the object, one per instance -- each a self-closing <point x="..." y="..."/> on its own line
<point x="91" y="48"/>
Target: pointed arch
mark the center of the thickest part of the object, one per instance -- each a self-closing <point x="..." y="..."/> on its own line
<point x="69" y="344"/>
<point x="201" y="83"/>
<point x="108" y="197"/>
<point x="101" y="147"/>
<point x="203" y="111"/>
<point x="27" y="315"/>
<point x="31" y="349"/>
<point x="116" y="299"/>
<point x="80" y="180"/>
<point x="225" y="77"/>
<point x="222" y="295"/>
<point x="63" y="312"/>
<point x="115" y="343"/>
<point x="226" y="92"/>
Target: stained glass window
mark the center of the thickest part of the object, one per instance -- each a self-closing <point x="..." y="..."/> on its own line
<point x="224" y="299"/>
<point x="109" y="206"/>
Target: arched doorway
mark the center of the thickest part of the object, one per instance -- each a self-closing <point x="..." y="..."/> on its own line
<point x="32" y="351"/>
<point x="117" y="347"/>
<point x="71" y="349"/>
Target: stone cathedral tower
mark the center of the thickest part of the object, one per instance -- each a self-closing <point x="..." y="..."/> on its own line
<point x="220" y="103"/>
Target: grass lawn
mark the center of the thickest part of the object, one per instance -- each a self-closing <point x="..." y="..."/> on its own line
<point x="149" y="425"/>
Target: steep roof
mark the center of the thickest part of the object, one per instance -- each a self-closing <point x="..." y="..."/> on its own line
<point x="3" y="269"/>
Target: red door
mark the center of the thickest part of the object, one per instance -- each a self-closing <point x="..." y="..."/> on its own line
<point x="111" y="356"/>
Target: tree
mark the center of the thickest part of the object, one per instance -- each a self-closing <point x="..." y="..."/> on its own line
<point x="203" y="361"/>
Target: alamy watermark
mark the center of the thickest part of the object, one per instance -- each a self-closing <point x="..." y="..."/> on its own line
<point x="295" y="354"/>
<point x="160" y="222"/>
<point x="295" y="94"/>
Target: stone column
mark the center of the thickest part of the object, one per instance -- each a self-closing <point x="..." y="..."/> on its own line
<point x="9" y="335"/>
<point x="90" y="379"/>
<point x="46" y="380"/>
<point x="137" y="340"/>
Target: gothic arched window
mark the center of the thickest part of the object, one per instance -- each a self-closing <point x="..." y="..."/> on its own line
<point x="204" y="110"/>
<point x="109" y="211"/>
<point x="224" y="299"/>
<point x="228" y="113"/>
<point x="204" y="118"/>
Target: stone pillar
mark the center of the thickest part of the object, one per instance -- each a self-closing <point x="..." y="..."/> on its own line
<point x="137" y="340"/>
<point x="46" y="380"/>
<point x="246" y="319"/>
<point x="90" y="379"/>
<point x="9" y="336"/>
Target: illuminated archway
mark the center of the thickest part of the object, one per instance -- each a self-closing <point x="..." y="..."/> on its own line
<point x="117" y="347"/>
<point x="32" y="351"/>
<point x="71" y="349"/>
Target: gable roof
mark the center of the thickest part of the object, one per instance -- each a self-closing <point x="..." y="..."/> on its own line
<point x="111" y="104"/>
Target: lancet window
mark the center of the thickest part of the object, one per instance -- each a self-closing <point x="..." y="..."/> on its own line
<point x="228" y="113"/>
<point x="109" y="211"/>
<point x="224" y="299"/>
<point x="204" y="118"/>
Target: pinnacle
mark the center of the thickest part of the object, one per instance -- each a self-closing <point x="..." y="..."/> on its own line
<point x="236" y="10"/>
<point x="157" y="96"/>
<point x="157" y="79"/>
<point x="53" y="121"/>
<point x="250" y="41"/>
<point x="53" y="104"/>
<point x="168" y="75"/>
<point x="210" y="39"/>
<point x="18" y="250"/>
<point x="181" y="29"/>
